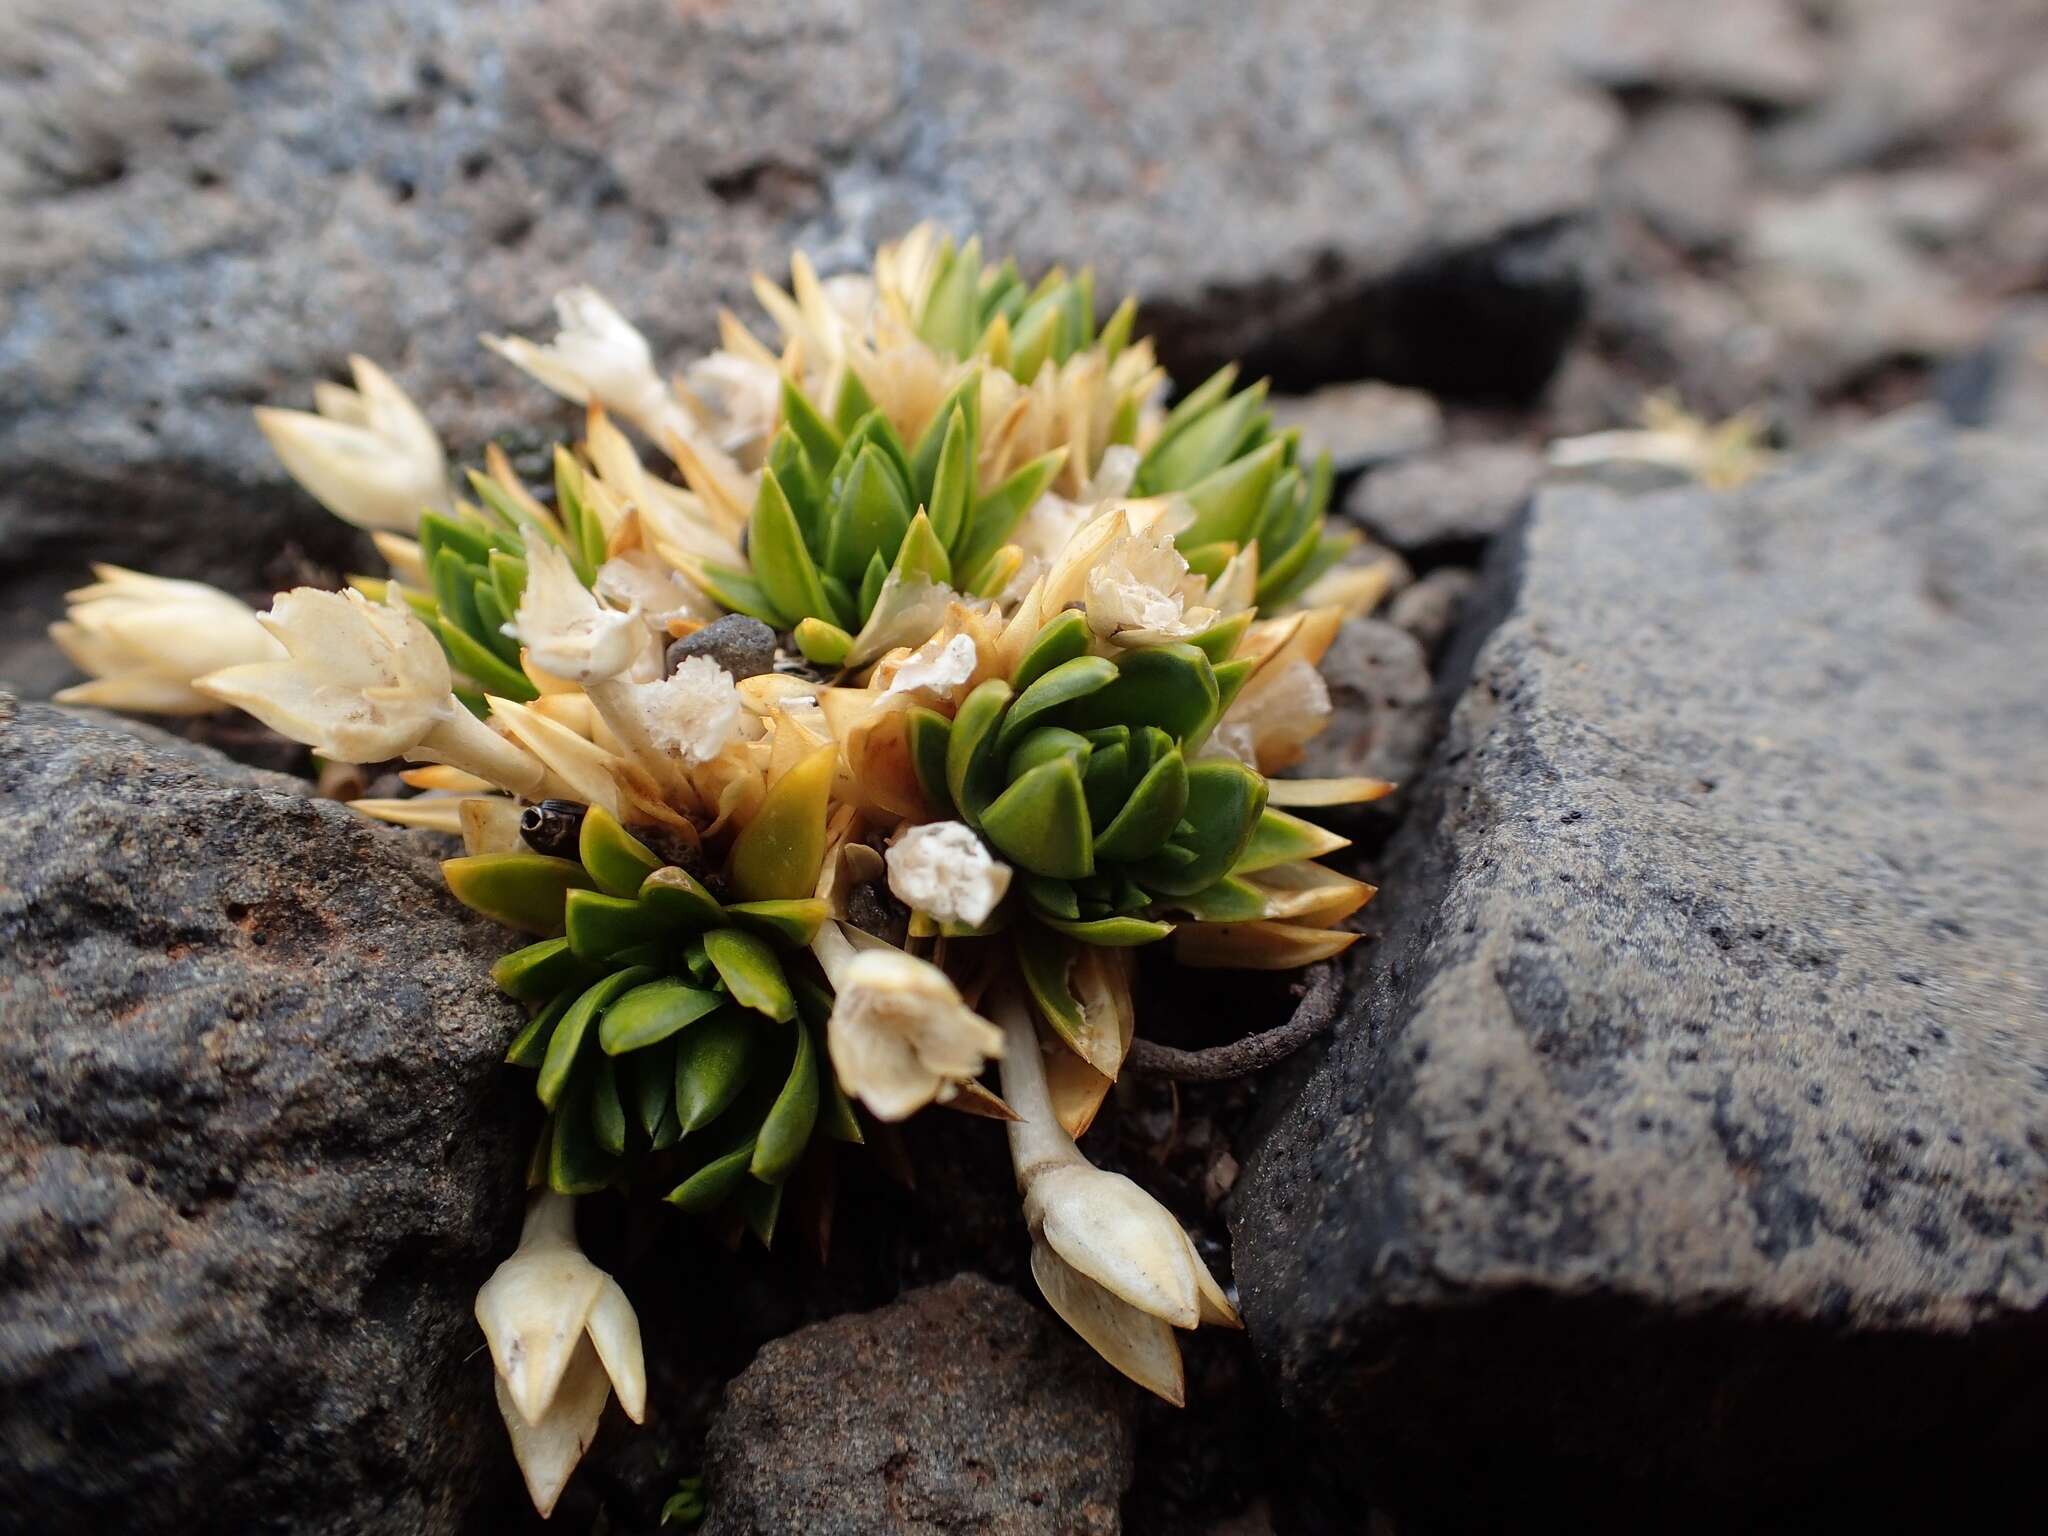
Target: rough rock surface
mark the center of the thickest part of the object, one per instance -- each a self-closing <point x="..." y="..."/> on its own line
<point x="211" y="205"/>
<point x="1362" y="423"/>
<point x="961" y="1407"/>
<point x="1383" y="720"/>
<point x="1686" y="1147"/>
<point x="1463" y="495"/>
<point x="254" y="1153"/>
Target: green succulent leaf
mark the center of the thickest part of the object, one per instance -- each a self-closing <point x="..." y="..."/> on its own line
<point x="601" y="926"/>
<point x="715" y="1058"/>
<point x="1228" y="501"/>
<point x="921" y="554"/>
<point x="678" y="899"/>
<point x="997" y="513"/>
<point x="713" y="1184"/>
<point x="530" y="1047"/>
<point x="787" y="1129"/>
<point x="617" y="860"/>
<point x="971" y="760"/>
<point x="1043" y="956"/>
<point x="1052" y="898"/>
<point x="853" y="401"/>
<point x="782" y="565"/>
<point x="483" y="665"/>
<point x="953" y="486"/>
<point x="651" y="1012"/>
<point x="1062" y="640"/>
<point x="820" y="439"/>
<point x="607" y="1113"/>
<point x="438" y="531"/>
<point x="539" y="970"/>
<point x="1149" y="816"/>
<point x="792" y="922"/>
<point x="1182" y="458"/>
<point x="508" y="579"/>
<point x="760" y="1204"/>
<point x="1278" y="838"/>
<point x="1059" y="692"/>
<point x="647" y="1082"/>
<point x="826" y="644"/>
<point x="521" y="890"/>
<point x="578" y="1161"/>
<point x="1219" y="642"/>
<point x="1170" y="686"/>
<point x="738" y="592"/>
<point x="870" y="518"/>
<point x="1112" y="932"/>
<point x="747" y="965"/>
<point x="1229" y="900"/>
<point x="1225" y="800"/>
<point x="1043" y="746"/>
<point x="927" y="731"/>
<point x="1041" y="822"/>
<point x="951" y="307"/>
<point x="565" y="1047"/>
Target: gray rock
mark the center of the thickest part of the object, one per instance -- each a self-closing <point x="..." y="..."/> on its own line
<point x="1844" y="290"/>
<point x="1383" y="720"/>
<point x="744" y="647"/>
<point x="1362" y="423"/>
<point x="2004" y="384"/>
<point x="1684" y="1151"/>
<point x="1763" y="52"/>
<point x="961" y="1407"/>
<point x="1429" y="609"/>
<point x="256" y="1152"/>
<point x="1467" y="493"/>
<point x="211" y="205"/>
<point x="1685" y="169"/>
<point x="1904" y="74"/>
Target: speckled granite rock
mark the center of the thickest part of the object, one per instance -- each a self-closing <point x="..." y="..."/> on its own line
<point x="1684" y="1160"/>
<point x="961" y="1407"/>
<point x="254" y="1153"/>
<point x="211" y="205"/>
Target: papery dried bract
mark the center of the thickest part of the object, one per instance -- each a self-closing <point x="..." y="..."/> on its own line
<point x="145" y="641"/>
<point x="369" y="456"/>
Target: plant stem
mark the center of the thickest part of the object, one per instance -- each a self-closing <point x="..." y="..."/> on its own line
<point x="1315" y="1013"/>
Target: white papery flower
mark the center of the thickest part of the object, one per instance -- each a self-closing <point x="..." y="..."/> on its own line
<point x="145" y="640"/>
<point x="596" y="355"/>
<point x="567" y="632"/>
<point x="369" y="456"/>
<point x="1111" y="1260"/>
<point x="691" y="715"/>
<point x="944" y="871"/>
<point x="1142" y="593"/>
<point x="940" y="667"/>
<point x="563" y="1337"/>
<point x="361" y="682"/>
<point x="899" y="1035"/>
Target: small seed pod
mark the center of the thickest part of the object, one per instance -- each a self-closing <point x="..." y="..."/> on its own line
<point x="552" y="827"/>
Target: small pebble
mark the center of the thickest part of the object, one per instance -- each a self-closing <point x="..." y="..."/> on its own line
<point x="744" y="647"/>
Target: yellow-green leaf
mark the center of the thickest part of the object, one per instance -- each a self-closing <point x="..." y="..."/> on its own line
<point x="778" y="854"/>
<point x="1041" y="822"/>
<point x="651" y="1012"/>
<point x="566" y="1046"/>
<point x="521" y="890"/>
<point x="787" y="1129"/>
<point x="617" y="860"/>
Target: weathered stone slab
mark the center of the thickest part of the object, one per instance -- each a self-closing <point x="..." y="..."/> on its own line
<point x="1686" y="1156"/>
<point x="256" y="1152"/>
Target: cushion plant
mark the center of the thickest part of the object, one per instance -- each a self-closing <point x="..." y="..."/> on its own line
<point x="1044" y="646"/>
